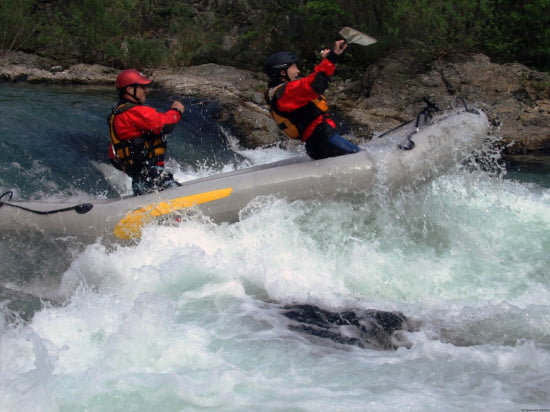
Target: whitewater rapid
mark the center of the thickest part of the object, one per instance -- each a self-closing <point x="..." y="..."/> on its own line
<point x="189" y="318"/>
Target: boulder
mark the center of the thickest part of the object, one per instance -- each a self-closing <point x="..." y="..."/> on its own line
<point x="516" y="98"/>
<point x="239" y="92"/>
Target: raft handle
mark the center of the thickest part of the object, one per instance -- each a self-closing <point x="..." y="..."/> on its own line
<point x="427" y="112"/>
<point x="80" y="209"/>
<point x="410" y="142"/>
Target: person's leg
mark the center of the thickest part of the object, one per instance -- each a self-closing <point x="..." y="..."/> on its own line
<point x="334" y="146"/>
<point x="159" y="178"/>
<point x="152" y="179"/>
<point x="342" y="144"/>
<point x="140" y="187"/>
<point x="167" y="181"/>
<point x="320" y="146"/>
<point x="314" y="149"/>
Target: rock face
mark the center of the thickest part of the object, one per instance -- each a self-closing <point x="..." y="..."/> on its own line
<point x="17" y="66"/>
<point x="516" y="99"/>
<point x="239" y="92"/>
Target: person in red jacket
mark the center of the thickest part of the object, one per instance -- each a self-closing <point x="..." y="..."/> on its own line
<point x="298" y="106"/>
<point x="138" y="134"/>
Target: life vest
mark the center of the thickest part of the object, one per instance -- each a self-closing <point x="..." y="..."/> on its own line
<point x="295" y="122"/>
<point x="129" y="154"/>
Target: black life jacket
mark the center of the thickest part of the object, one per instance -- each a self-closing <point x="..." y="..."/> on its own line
<point x="129" y="155"/>
<point x="294" y="123"/>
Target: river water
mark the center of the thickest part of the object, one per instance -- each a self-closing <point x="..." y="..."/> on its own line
<point x="190" y="318"/>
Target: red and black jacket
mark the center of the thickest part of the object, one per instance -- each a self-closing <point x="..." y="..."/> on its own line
<point x="137" y="134"/>
<point x="299" y="106"/>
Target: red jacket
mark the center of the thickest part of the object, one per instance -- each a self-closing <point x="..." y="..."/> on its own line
<point x="300" y="92"/>
<point x="141" y="120"/>
<point x="133" y="121"/>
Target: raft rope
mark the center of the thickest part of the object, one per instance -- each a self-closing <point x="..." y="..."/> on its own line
<point x="80" y="209"/>
<point x="427" y="112"/>
<point x="474" y="111"/>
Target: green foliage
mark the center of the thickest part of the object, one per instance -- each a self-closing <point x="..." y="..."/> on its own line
<point x="440" y="24"/>
<point x="17" y="24"/>
<point x="139" y="52"/>
<point x="242" y="33"/>
<point x="520" y="31"/>
<point x="505" y="30"/>
<point x="88" y="30"/>
<point x="315" y="15"/>
<point x="322" y="12"/>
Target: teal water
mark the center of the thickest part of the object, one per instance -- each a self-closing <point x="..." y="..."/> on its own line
<point x="189" y="319"/>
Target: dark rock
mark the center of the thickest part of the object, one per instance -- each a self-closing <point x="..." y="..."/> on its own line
<point x="370" y="329"/>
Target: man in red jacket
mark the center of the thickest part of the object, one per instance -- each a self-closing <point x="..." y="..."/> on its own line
<point x="138" y="134"/>
<point x="298" y="105"/>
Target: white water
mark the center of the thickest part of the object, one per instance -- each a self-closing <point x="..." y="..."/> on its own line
<point x="189" y="318"/>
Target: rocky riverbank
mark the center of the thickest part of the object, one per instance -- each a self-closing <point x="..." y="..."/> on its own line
<point x="516" y="98"/>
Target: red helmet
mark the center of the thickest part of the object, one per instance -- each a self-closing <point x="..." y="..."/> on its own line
<point x="129" y="77"/>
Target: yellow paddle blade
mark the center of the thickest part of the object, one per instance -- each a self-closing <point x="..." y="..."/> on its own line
<point x="129" y="227"/>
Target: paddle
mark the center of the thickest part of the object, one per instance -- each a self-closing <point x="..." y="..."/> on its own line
<point x="352" y="36"/>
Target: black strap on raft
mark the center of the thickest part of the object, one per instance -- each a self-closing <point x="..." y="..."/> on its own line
<point x="80" y="209"/>
<point x="409" y="145"/>
<point x="427" y="112"/>
<point x="474" y="111"/>
<point x="394" y="129"/>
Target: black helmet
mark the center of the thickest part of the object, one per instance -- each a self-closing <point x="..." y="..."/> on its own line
<point x="277" y="62"/>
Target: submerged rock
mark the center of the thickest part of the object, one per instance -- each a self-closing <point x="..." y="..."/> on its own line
<point x="369" y="329"/>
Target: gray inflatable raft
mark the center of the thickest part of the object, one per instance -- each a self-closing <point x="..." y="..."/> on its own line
<point x="406" y="156"/>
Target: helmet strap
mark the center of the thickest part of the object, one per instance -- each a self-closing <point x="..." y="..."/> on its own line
<point x="285" y="77"/>
<point x="132" y="95"/>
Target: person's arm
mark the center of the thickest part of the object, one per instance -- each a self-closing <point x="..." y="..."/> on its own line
<point x="300" y="92"/>
<point x="178" y="106"/>
<point x="148" y="119"/>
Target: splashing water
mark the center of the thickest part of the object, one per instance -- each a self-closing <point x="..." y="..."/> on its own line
<point x="190" y="318"/>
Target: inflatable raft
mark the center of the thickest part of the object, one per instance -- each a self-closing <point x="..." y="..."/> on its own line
<point x="406" y="156"/>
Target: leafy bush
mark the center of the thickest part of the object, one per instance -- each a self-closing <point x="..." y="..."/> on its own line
<point x="17" y="24"/>
<point x="242" y="33"/>
<point x="520" y="31"/>
<point x="440" y="24"/>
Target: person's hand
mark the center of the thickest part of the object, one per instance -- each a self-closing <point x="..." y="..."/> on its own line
<point x="324" y="53"/>
<point x="339" y="46"/>
<point x="178" y="106"/>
